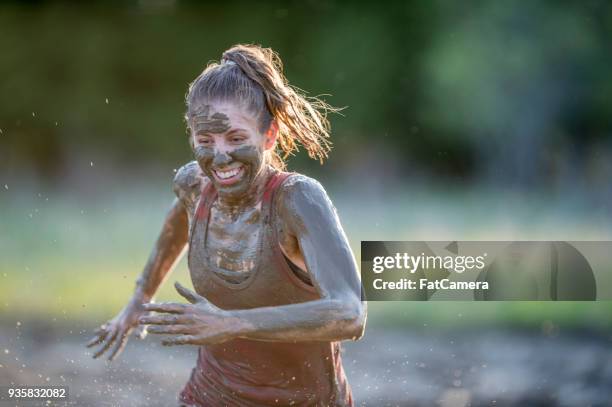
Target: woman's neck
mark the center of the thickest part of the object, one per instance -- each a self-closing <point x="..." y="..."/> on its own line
<point x="237" y="204"/>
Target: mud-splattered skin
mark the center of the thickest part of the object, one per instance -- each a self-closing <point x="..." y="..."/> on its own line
<point x="204" y="120"/>
<point x="221" y="144"/>
<point x="226" y="138"/>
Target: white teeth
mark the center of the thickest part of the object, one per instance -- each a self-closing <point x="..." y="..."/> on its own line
<point x="227" y="174"/>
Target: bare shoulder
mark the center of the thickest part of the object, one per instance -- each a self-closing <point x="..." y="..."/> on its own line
<point x="188" y="176"/>
<point x="301" y="184"/>
<point x="188" y="182"/>
<point x="301" y="193"/>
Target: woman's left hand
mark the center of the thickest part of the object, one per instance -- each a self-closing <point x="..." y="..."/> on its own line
<point x="197" y="323"/>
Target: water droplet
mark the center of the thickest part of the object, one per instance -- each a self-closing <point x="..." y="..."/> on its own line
<point x="106" y="101"/>
<point x="6" y="351"/>
<point x="6" y="187"/>
<point x="91" y="163"/>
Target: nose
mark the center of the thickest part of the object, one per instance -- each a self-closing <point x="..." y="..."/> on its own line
<point x="221" y="158"/>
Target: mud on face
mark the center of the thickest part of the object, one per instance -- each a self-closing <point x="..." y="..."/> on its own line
<point x="229" y="147"/>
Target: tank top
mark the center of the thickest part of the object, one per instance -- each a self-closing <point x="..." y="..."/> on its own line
<point x="243" y="372"/>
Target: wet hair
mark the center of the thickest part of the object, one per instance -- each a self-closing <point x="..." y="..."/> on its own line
<point x="252" y="76"/>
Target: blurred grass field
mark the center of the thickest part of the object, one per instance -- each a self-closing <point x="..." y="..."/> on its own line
<point x="75" y="254"/>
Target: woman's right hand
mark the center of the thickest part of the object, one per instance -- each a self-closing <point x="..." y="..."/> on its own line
<point x="172" y="240"/>
<point x="116" y="331"/>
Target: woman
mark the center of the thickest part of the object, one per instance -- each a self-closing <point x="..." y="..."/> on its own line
<point x="276" y="284"/>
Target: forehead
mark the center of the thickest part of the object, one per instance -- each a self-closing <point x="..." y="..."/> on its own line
<point x="231" y="113"/>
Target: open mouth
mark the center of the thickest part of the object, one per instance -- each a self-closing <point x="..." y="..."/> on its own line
<point x="229" y="176"/>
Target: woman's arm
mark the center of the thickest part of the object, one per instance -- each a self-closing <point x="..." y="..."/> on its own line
<point x="170" y="244"/>
<point x="339" y="314"/>
<point x="166" y="252"/>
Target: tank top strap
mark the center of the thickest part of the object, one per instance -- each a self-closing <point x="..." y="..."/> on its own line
<point x="207" y="197"/>
<point x="275" y="181"/>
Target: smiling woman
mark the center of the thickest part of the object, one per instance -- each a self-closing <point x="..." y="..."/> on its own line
<point x="276" y="284"/>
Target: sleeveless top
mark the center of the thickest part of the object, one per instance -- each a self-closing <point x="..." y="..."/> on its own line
<point x="249" y="373"/>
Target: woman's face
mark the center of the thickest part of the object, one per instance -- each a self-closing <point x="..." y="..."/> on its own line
<point x="229" y="147"/>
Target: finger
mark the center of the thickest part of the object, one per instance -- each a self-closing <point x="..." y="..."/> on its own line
<point x="107" y="343"/>
<point x="181" y="340"/>
<point x="171" y="307"/>
<point x="172" y="329"/>
<point x="99" y="335"/>
<point x="165" y="319"/>
<point x="191" y="296"/>
<point x="120" y="343"/>
<point x="140" y="332"/>
<point x="97" y="339"/>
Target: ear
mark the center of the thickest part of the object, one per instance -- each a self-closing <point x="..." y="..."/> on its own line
<point x="271" y="135"/>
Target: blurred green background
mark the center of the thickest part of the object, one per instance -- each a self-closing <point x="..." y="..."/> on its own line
<point x="464" y="120"/>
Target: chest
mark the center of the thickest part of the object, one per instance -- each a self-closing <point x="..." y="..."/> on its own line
<point x="238" y="260"/>
<point x="234" y="238"/>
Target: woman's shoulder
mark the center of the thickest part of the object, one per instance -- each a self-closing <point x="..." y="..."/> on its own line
<point x="304" y="204"/>
<point x="300" y="183"/>
<point x="188" y="183"/>
<point x="188" y="176"/>
<point x="302" y="189"/>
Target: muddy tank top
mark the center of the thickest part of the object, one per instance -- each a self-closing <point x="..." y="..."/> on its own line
<point x="251" y="373"/>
